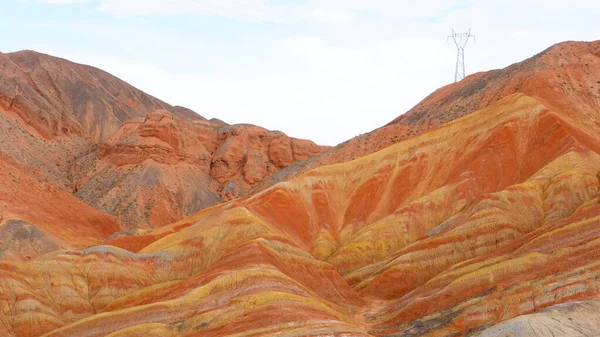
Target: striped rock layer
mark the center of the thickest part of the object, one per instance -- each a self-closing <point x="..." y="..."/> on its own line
<point x="563" y="77"/>
<point x="480" y="221"/>
<point x="122" y="151"/>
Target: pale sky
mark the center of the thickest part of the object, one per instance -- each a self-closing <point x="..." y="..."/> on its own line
<point x="326" y="70"/>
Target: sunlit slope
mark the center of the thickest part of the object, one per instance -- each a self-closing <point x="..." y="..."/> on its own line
<point x="564" y="77"/>
<point x="489" y="217"/>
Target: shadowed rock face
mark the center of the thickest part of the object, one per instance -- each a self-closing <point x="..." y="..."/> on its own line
<point x="21" y="238"/>
<point x="123" y="151"/>
<point x="464" y="229"/>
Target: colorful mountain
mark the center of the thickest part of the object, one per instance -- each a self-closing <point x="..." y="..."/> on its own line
<point x="123" y="151"/>
<point x="487" y="224"/>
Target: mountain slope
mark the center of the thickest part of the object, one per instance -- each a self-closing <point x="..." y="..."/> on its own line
<point x="157" y="170"/>
<point x="36" y="217"/>
<point x="59" y="97"/>
<point x="565" y="77"/>
<point x="570" y="319"/>
<point x="486" y="218"/>
<point x="114" y="147"/>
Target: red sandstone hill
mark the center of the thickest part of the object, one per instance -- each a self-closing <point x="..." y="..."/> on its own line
<point x="565" y="76"/>
<point x="158" y="169"/>
<point x="487" y="225"/>
<point x="123" y="151"/>
<point x="58" y="97"/>
<point x="487" y="218"/>
<point x="36" y="217"/>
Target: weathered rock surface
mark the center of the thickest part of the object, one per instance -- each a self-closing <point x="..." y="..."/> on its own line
<point x="37" y="217"/>
<point x="573" y="319"/>
<point x="123" y="151"/>
<point x="158" y="169"/>
<point x="487" y="218"/>
<point x="22" y="239"/>
<point x="462" y="229"/>
<point x="58" y="97"/>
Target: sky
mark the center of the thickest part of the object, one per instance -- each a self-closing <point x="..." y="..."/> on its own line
<point x="325" y="70"/>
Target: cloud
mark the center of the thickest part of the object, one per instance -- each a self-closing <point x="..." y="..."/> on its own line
<point x="246" y="10"/>
<point x="65" y="2"/>
<point x="336" y="12"/>
<point x="326" y="70"/>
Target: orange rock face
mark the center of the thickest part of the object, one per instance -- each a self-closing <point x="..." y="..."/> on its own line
<point x="158" y="169"/>
<point x="125" y="152"/>
<point x="36" y="217"/>
<point x="563" y="77"/>
<point x="58" y="97"/>
<point x="484" y="225"/>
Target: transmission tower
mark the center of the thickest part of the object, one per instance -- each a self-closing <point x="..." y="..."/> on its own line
<point x="460" y="39"/>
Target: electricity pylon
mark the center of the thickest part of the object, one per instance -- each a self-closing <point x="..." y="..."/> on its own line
<point x="460" y="39"/>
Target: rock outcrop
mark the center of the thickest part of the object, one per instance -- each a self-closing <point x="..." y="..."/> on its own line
<point x="123" y="151"/>
<point x="157" y="169"/>
<point x="58" y="97"/>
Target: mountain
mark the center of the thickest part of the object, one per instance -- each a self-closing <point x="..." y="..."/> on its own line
<point x="160" y="168"/>
<point x="486" y="225"/>
<point x="36" y="217"/>
<point x="57" y="97"/>
<point x="123" y="151"/>
<point x="564" y="77"/>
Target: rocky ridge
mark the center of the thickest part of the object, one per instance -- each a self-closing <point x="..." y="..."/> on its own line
<point x="114" y="146"/>
<point x="486" y="225"/>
